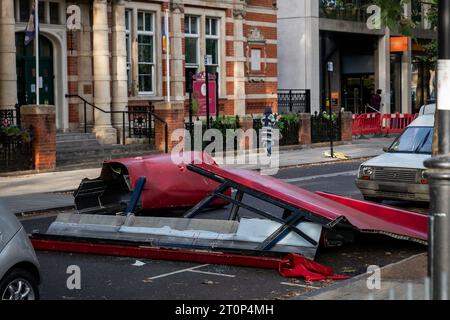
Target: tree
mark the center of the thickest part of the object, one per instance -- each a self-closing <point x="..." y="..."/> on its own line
<point x="392" y="15"/>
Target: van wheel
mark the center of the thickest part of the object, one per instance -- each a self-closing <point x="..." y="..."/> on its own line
<point x="373" y="199"/>
<point x="19" y="284"/>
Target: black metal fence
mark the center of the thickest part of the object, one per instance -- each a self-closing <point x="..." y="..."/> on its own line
<point x="16" y="152"/>
<point x="294" y="101"/>
<point x="289" y="132"/>
<point x="222" y="124"/>
<point x="138" y="121"/>
<point x="320" y="127"/>
<point x="289" y="127"/>
<point x="141" y="122"/>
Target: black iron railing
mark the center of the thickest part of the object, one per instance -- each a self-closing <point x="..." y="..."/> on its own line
<point x="16" y="143"/>
<point x="350" y="10"/>
<point x="138" y="121"/>
<point x="222" y="124"/>
<point x="320" y="127"/>
<point x="294" y="101"/>
<point x="10" y="117"/>
<point x="288" y="126"/>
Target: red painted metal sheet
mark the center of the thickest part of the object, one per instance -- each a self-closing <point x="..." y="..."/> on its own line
<point x="320" y="205"/>
<point x="416" y="223"/>
<point x="158" y="253"/>
<point x="169" y="183"/>
<point x="292" y="265"/>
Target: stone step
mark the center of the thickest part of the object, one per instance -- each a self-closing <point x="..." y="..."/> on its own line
<point x="81" y="160"/>
<point x="83" y="150"/>
<point x="70" y="144"/>
<point x="71" y="136"/>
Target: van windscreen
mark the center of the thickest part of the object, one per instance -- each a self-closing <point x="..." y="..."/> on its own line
<point x="414" y="140"/>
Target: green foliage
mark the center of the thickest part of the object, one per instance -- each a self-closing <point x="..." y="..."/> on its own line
<point x="195" y="106"/>
<point x="225" y="122"/>
<point x="393" y="17"/>
<point x="326" y="116"/>
<point x="15" y="133"/>
<point x="287" y="120"/>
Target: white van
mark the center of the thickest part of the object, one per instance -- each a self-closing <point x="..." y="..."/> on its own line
<point x="399" y="172"/>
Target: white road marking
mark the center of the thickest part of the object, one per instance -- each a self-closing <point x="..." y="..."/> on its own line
<point x="328" y="175"/>
<point x="299" y="285"/>
<point x="179" y="271"/>
<point x="213" y="273"/>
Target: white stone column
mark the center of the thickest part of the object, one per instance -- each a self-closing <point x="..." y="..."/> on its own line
<point x="176" y="52"/>
<point x="406" y="79"/>
<point x="102" y="92"/>
<point x="85" y="64"/>
<point x="8" y="77"/>
<point x="406" y="70"/>
<point x="383" y="71"/>
<point x="239" y="62"/>
<point x="299" y="47"/>
<point x="119" y="64"/>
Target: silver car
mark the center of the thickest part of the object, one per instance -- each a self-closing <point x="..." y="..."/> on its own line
<point x="19" y="267"/>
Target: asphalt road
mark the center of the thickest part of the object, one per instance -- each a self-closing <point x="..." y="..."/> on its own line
<point x="126" y="278"/>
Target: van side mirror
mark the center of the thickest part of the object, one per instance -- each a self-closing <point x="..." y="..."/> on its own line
<point x="385" y="149"/>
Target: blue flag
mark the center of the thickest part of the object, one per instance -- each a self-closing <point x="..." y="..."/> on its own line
<point x="31" y="27"/>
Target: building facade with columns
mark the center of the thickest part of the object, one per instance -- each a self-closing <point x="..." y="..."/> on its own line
<point x="366" y="57"/>
<point x="118" y="57"/>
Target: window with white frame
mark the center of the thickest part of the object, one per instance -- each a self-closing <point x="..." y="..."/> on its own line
<point x="146" y="52"/>
<point x="128" y="15"/>
<point x="49" y="11"/>
<point x="192" y="52"/>
<point x="212" y="44"/>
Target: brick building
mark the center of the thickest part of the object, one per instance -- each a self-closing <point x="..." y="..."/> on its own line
<point x="118" y="58"/>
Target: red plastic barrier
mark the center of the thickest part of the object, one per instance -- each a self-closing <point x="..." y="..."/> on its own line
<point x="396" y="123"/>
<point x="374" y="123"/>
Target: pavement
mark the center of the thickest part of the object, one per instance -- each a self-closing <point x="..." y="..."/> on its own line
<point x="358" y="148"/>
<point x="403" y="280"/>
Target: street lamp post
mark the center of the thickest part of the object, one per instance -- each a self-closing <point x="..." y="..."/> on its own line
<point x="438" y="172"/>
<point x="330" y="68"/>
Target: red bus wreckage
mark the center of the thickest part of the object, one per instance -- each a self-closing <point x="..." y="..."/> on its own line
<point x="268" y="223"/>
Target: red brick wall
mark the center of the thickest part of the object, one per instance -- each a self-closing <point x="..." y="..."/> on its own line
<point x="266" y="87"/>
<point x="174" y="119"/>
<point x="44" y="134"/>
<point x="346" y="126"/>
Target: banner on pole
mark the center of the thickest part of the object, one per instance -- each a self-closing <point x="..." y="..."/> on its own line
<point x="199" y="92"/>
<point x="30" y="30"/>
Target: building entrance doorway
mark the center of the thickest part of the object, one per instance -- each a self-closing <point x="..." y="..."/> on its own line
<point x="357" y="91"/>
<point x="26" y="71"/>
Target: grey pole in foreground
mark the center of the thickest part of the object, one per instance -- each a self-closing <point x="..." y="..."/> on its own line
<point x="438" y="172"/>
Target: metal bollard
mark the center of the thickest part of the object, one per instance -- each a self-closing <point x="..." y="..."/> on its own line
<point x="438" y="175"/>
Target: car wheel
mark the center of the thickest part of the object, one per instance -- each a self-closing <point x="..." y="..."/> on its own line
<point x="19" y="284"/>
<point x="373" y="199"/>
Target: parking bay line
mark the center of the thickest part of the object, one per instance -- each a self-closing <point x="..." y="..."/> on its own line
<point x="178" y="271"/>
<point x="299" y="285"/>
<point x="328" y="175"/>
<point x="192" y="269"/>
<point x="213" y="273"/>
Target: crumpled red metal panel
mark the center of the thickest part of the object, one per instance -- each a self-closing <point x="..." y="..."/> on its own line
<point x="170" y="185"/>
<point x="364" y="218"/>
<point x="412" y="224"/>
